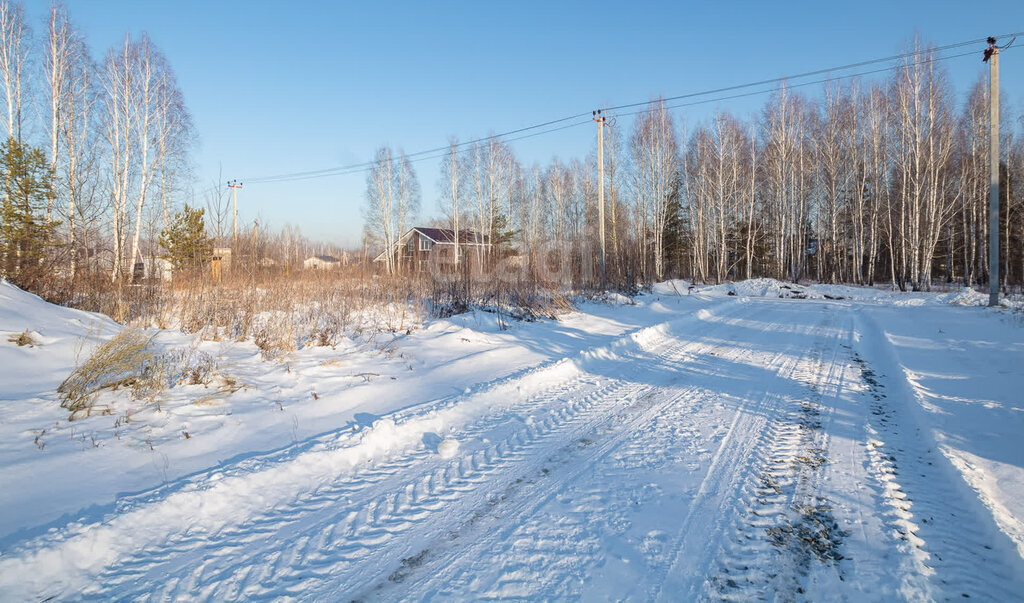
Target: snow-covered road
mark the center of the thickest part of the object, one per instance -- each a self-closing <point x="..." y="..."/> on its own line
<point x="747" y="448"/>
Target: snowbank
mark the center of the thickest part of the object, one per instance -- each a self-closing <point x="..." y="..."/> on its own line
<point x="57" y="337"/>
<point x="772" y="288"/>
<point x="671" y="287"/>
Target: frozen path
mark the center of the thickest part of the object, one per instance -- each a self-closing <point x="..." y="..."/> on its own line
<point x="752" y="448"/>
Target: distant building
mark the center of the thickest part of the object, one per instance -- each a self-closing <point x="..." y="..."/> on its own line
<point x="153" y="268"/>
<point x="321" y="262"/>
<point x="220" y="262"/>
<point x="96" y="259"/>
<point x="421" y="246"/>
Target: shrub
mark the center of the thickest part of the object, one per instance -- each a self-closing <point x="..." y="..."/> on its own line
<point x="121" y="361"/>
<point x="274" y="336"/>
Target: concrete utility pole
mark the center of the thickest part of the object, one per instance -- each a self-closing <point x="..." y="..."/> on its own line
<point x="234" y="185"/>
<point x="600" y="119"/>
<point x="992" y="57"/>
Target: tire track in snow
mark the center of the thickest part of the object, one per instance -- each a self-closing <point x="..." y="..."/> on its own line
<point x="783" y="527"/>
<point x="123" y="566"/>
<point x="527" y="558"/>
<point x="451" y="505"/>
<point x="760" y="486"/>
<point x="948" y="543"/>
<point x="381" y="539"/>
<point x="319" y="541"/>
<point x="609" y="420"/>
<point x="513" y="551"/>
<point x="552" y="538"/>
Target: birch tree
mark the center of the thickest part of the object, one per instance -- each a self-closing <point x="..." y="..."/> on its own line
<point x="452" y="180"/>
<point x="381" y="211"/>
<point x="15" y="37"/>
<point x="656" y="160"/>
<point x="926" y="135"/>
<point x="407" y="197"/>
<point x="120" y="98"/>
<point x="68" y="77"/>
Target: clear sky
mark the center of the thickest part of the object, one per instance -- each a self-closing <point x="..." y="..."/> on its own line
<point x="288" y="86"/>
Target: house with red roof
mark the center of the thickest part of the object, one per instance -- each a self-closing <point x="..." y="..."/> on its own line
<point x="422" y="249"/>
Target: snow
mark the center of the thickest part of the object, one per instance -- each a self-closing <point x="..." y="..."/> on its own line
<point x="448" y="448"/>
<point x="60" y="335"/>
<point x="671" y="287"/>
<point x="747" y="440"/>
<point x="882" y="294"/>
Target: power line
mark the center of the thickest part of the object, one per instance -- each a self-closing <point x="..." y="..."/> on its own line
<point x="366" y="164"/>
<point x="801" y="84"/>
<point x="781" y="79"/>
<point x="443" y="150"/>
<point x="435" y="154"/>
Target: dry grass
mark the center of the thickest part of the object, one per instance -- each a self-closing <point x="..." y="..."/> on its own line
<point x="131" y="360"/>
<point x="282" y="313"/>
<point x="274" y="335"/>
<point x="315" y="308"/>
<point x="22" y="339"/>
<point x="279" y="314"/>
<point x="121" y="361"/>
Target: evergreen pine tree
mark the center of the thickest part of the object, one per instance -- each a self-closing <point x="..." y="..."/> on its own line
<point x="674" y="233"/>
<point x="24" y="231"/>
<point x="185" y="239"/>
<point x="500" y="235"/>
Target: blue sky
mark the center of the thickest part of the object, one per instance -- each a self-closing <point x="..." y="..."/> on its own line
<point x="280" y="87"/>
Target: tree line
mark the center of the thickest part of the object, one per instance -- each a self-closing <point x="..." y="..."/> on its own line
<point x="867" y="182"/>
<point x="97" y="149"/>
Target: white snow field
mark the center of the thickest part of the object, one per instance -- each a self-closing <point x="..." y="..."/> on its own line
<point x="753" y="440"/>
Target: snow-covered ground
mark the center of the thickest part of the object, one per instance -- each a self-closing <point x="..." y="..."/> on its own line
<point x="749" y="440"/>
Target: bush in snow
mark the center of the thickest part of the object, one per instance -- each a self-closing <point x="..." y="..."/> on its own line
<point x="130" y="359"/>
<point x="118" y="362"/>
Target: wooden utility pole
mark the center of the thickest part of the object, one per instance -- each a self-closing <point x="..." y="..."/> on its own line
<point x="992" y="57"/>
<point x="234" y="185"/>
<point x="600" y="119"/>
<point x="255" y="244"/>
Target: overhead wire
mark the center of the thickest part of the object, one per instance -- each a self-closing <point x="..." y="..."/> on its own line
<point x="798" y="85"/>
<point x="508" y="136"/>
<point x="797" y="76"/>
<point x="439" y="153"/>
<point x="364" y="165"/>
